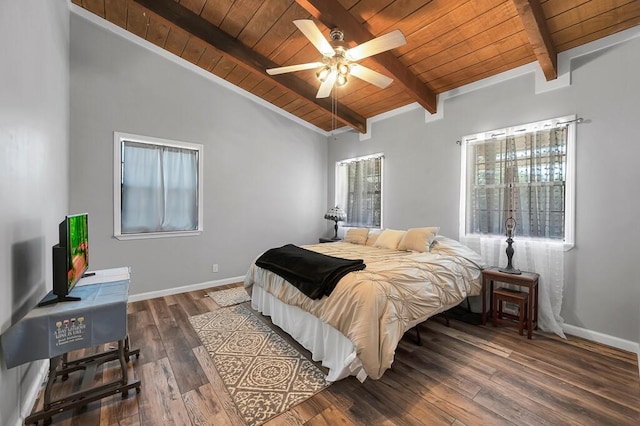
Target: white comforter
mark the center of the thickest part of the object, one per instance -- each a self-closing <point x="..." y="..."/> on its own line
<point x="373" y="308"/>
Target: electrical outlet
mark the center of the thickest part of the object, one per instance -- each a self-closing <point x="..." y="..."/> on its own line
<point x="215" y="268"/>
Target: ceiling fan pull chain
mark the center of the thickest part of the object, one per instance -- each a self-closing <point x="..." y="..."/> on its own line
<point x="334" y="111"/>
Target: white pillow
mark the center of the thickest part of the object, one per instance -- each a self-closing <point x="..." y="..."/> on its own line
<point x="356" y="236"/>
<point x="451" y="247"/>
<point x="418" y="239"/>
<point x="389" y="239"/>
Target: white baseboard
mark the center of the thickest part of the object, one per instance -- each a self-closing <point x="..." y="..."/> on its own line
<point x="33" y="391"/>
<point x="184" y="289"/>
<point x="605" y="339"/>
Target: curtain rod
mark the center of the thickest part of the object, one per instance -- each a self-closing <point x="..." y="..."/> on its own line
<point x="575" y="120"/>
<point x="562" y="123"/>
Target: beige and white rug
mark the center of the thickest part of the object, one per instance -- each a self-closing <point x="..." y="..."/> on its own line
<point x="231" y="296"/>
<point x="264" y="374"/>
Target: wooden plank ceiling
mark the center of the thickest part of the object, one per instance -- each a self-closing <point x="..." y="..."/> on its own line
<point x="450" y="43"/>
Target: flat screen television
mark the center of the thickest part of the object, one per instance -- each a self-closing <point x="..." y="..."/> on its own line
<point x="70" y="258"/>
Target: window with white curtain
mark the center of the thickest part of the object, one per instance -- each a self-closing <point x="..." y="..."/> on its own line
<point x="359" y="190"/>
<point x="158" y="187"/>
<point x="524" y="172"/>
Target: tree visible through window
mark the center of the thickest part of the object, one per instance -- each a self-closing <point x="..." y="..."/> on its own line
<point x="359" y="190"/>
<point x="521" y="172"/>
<point x="159" y="190"/>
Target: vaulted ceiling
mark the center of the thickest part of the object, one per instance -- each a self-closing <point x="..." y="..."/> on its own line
<point x="450" y="43"/>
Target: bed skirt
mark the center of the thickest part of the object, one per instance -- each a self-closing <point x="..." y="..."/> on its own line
<point x="325" y="343"/>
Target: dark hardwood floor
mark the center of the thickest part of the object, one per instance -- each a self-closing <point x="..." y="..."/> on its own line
<point x="461" y="375"/>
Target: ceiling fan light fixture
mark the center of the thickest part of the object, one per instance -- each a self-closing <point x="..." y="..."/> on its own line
<point x="341" y="80"/>
<point x="323" y="73"/>
<point x="343" y="68"/>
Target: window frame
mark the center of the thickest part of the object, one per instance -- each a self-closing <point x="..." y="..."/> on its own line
<point x="337" y="191"/>
<point x="118" y="139"/>
<point x="570" y="190"/>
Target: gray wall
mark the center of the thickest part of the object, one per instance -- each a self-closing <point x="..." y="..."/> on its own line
<point x="34" y="135"/>
<point x="422" y="174"/>
<point x="265" y="176"/>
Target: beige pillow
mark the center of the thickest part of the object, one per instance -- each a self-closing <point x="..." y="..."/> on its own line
<point x="389" y="239"/>
<point x="418" y="239"/>
<point x="356" y="235"/>
<point x="372" y="237"/>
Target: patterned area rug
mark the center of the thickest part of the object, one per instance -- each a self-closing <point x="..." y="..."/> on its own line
<point x="229" y="297"/>
<point x="264" y="374"/>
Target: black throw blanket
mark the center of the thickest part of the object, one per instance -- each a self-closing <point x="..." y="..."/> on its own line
<point x="314" y="274"/>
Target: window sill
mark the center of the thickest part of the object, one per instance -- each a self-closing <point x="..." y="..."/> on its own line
<point x="566" y="246"/>
<point x="151" y="235"/>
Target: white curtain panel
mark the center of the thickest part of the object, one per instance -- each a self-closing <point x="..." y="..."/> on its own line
<point x="181" y="189"/>
<point x="544" y="258"/>
<point x="142" y="195"/>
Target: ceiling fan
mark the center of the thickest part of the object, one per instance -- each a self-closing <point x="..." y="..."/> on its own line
<point x="337" y="62"/>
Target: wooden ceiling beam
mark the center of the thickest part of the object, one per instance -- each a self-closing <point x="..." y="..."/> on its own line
<point x="535" y="26"/>
<point x="333" y="15"/>
<point x="247" y="58"/>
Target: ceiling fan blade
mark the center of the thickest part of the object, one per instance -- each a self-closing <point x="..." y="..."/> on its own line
<point x="326" y="86"/>
<point x="377" y="45"/>
<point x="370" y="76"/>
<point x="292" y="68"/>
<point x="313" y="33"/>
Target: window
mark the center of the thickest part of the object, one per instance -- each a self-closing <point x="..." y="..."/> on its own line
<point x="158" y="187"/>
<point x="525" y="171"/>
<point x="359" y="190"/>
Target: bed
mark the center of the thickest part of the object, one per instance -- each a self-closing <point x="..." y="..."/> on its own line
<point x="355" y="330"/>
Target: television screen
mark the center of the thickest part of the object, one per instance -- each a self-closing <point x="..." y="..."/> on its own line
<point x="77" y="230"/>
<point x="70" y="258"/>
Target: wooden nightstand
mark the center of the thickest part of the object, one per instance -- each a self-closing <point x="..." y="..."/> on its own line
<point x="328" y="240"/>
<point x="526" y="279"/>
<point x="507" y="295"/>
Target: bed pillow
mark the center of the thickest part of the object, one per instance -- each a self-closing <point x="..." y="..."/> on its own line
<point x="372" y="237"/>
<point x="389" y="239"/>
<point x="448" y="246"/>
<point x="418" y="239"/>
<point x="356" y="236"/>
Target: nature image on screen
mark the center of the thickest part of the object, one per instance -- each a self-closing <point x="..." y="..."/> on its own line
<point x="78" y="247"/>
